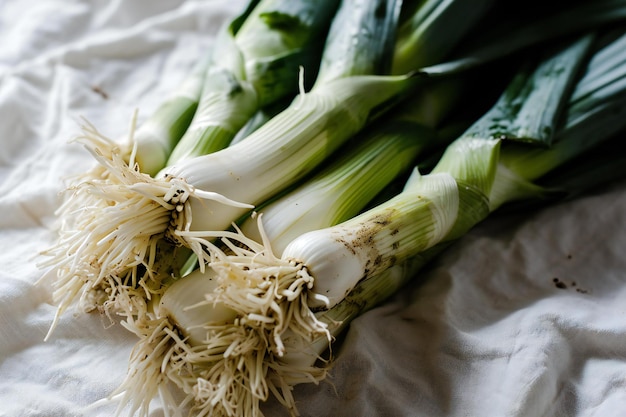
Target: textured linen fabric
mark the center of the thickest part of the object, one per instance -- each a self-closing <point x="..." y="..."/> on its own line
<point x="524" y="316"/>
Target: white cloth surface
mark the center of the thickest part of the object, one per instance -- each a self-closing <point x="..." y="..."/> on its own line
<point x="482" y="332"/>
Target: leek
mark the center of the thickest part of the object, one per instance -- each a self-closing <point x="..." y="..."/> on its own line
<point x="163" y="353"/>
<point x="179" y="345"/>
<point x="255" y="64"/>
<point x="500" y="158"/>
<point x="121" y="238"/>
<point x="286" y="302"/>
<point x="366" y="166"/>
<point x="147" y="151"/>
<point x="238" y="393"/>
<point x="570" y="166"/>
<point x="184" y="300"/>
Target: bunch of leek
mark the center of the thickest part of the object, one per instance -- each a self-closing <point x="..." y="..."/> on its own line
<point x="163" y="355"/>
<point x="290" y="305"/>
<point x="311" y="128"/>
<point x="120" y="260"/>
<point x="165" y="351"/>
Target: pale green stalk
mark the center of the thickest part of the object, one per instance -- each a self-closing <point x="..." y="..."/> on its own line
<point x="365" y="166"/>
<point x="159" y="134"/>
<point x="343" y="188"/>
<point x="255" y="64"/>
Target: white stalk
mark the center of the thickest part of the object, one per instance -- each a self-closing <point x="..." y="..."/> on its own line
<point x="281" y="152"/>
<point x="167" y="350"/>
<point x="339" y="257"/>
<point x="319" y="268"/>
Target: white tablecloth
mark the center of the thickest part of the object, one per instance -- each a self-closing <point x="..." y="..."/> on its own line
<point x="485" y="331"/>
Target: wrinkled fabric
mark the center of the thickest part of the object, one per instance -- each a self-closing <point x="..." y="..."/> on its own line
<point x="524" y="316"/>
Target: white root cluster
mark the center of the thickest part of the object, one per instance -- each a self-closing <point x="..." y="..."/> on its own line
<point x="116" y="231"/>
<point x="266" y="291"/>
<point x="231" y="374"/>
<point x="240" y="362"/>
